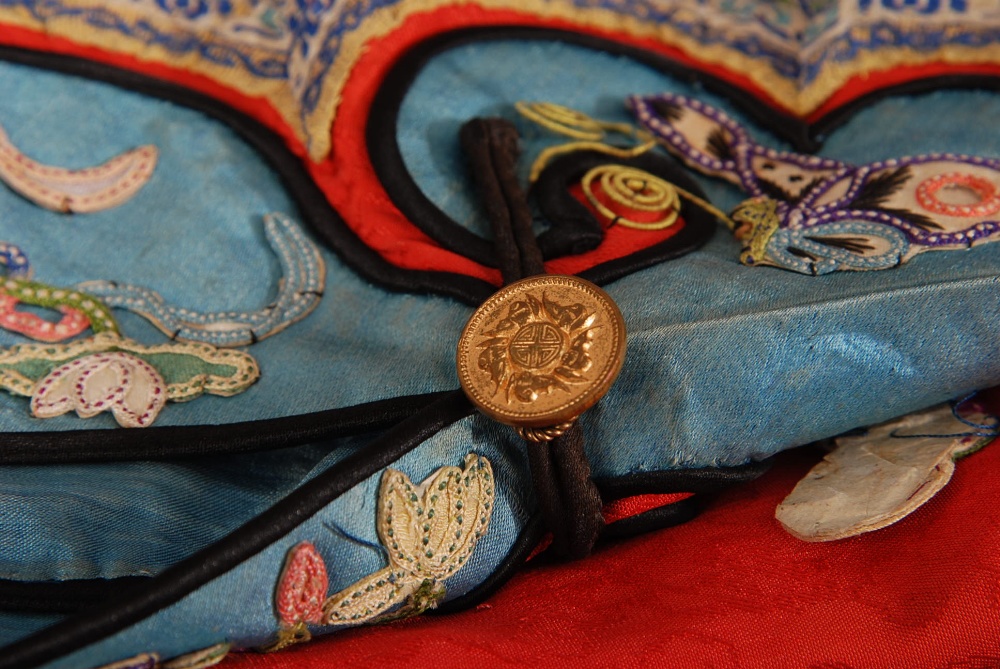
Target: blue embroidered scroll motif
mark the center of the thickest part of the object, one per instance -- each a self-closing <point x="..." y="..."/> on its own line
<point x="14" y="262"/>
<point x="299" y="291"/>
<point x="828" y="257"/>
<point x="815" y="215"/>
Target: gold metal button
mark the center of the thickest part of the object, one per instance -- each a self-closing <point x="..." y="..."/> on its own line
<point x="540" y="352"/>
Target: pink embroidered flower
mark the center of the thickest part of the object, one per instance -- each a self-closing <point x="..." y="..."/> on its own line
<point x="131" y="389"/>
<point x="302" y="586"/>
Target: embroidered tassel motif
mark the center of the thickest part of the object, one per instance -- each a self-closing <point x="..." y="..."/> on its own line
<point x="76" y="191"/>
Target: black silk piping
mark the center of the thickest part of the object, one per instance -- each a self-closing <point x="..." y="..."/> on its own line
<point x="163" y="443"/>
<point x="254" y="536"/>
<point x="87" y="595"/>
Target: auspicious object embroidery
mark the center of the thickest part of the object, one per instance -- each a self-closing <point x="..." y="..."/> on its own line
<point x="76" y="191"/>
<point x="107" y="372"/>
<point x="816" y="215"/>
<point x="635" y="192"/>
<point x="299" y="292"/>
<point x="631" y="197"/>
<point x="590" y="133"/>
<point x="75" y="305"/>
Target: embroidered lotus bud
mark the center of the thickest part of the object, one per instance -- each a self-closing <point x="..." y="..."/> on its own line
<point x="299" y="597"/>
<point x="302" y="586"/>
<point x="429" y="531"/>
<point x="131" y="389"/>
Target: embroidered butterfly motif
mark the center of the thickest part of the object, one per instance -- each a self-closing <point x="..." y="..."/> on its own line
<point x="817" y="215"/>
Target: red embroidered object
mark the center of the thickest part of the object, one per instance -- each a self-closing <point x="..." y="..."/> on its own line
<point x="302" y="586"/>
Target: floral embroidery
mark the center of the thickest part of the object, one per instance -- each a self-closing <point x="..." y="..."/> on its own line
<point x="429" y="531"/>
<point x="299" y="292"/>
<point x="299" y="598"/>
<point x="81" y="376"/>
<point x="80" y="191"/>
<point x="815" y="215"/>
<point x="126" y="386"/>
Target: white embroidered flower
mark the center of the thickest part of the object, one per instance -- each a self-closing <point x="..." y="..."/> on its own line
<point x="131" y="389"/>
<point x="429" y="532"/>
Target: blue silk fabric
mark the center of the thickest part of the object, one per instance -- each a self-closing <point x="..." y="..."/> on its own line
<point x="726" y="364"/>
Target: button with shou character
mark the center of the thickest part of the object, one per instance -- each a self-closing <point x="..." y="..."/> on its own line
<point x="540" y="352"/>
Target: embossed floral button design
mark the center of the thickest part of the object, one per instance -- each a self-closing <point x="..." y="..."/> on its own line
<point x="541" y="351"/>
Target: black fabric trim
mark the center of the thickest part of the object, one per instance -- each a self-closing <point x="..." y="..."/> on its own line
<point x="325" y="223"/>
<point x="659" y="518"/>
<point x="703" y="480"/>
<point x="254" y="536"/>
<point x="63" y="596"/>
<point x="315" y="210"/>
<point x="142" y="600"/>
<point x="163" y="443"/>
<point x="387" y="160"/>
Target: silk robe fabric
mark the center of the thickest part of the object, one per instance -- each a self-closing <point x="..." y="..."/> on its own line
<point x="729" y="364"/>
